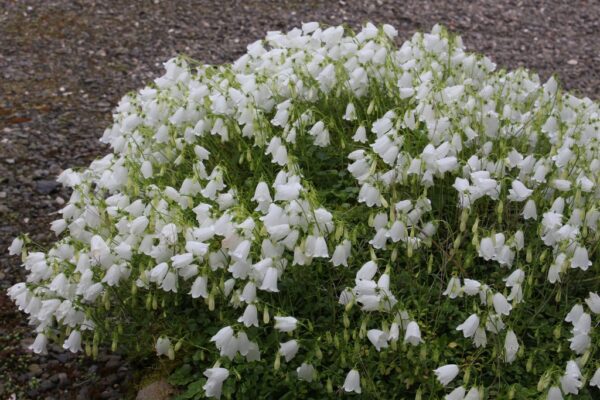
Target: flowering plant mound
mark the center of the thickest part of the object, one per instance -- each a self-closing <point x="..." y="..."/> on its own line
<point x="333" y="214"/>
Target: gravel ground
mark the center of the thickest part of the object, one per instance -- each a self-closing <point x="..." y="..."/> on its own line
<point x="65" y="64"/>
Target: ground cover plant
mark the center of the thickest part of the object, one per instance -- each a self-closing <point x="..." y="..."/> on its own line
<point x="332" y="214"/>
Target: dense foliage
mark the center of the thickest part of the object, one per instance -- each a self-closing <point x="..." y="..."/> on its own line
<point x="330" y="214"/>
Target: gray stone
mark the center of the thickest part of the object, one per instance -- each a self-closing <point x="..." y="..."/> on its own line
<point x="35" y="369"/>
<point x="113" y="362"/>
<point x="45" y="385"/>
<point x="46" y="186"/>
<point x="158" y="390"/>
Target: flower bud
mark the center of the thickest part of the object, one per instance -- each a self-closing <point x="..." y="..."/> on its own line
<point x="277" y="362"/>
<point x="211" y="302"/>
<point x="149" y="302"/>
<point x="464" y="217"/>
<point x="329" y="386"/>
<point x="178" y="345"/>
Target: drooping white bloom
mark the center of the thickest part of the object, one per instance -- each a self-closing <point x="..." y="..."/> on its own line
<point x="196" y="248"/>
<point x="413" y="334"/>
<point x="164" y="347"/>
<point x="575" y="313"/>
<point x="562" y="185"/>
<point x="570" y="382"/>
<point x="250" y="316"/>
<point x="288" y="191"/>
<point x="511" y="346"/>
<point x="446" y="164"/>
<point x="456" y="394"/>
<point x="241" y="251"/>
<point x="146" y="169"/>
<point x="480" y="337"/>
<point x="305" y="372"/>
<point x="40" y="344"/>
<point x="367" y="271"/>
<point x="214" y="384"/>
<point x="554" y="393"/>
<point x="262" y="196"/>
<point x="92" y="292"/>
<point x="469" y="326"/>
<point x="378" y="338"/>
<point x="487" y="250"/>
<point x="593" y="302"/>
<point x="583" y="324"/>
<point x="446" y="373"/>
<point x="352" y="382"/>
<point x="580" y="342"/>
<point x="530" y="210"/>
<point x="394" y="333"/>
<point x="350" y="114"/>
<point x="114" y="274"/>
<point x="519" y="191"/>
<point x="138" y="225"/>
<point x="73" y="342"/>
<point x="289" y="349"/>
<point x="595" y="380"/>
<point x="60" y="284"/>
<point x="473" y="394"/>
<point x="369" y="195"/>
<point x="99" y="250"/>
<point x="15" y="247"/>
<point x="341" y="254"/>
<point x="318" y="248"/>
<point x="269" y="282"/>
<point x="223" y="337"/>
<point x="285" y="324"/>
<point x="515" y="281"/>
<point x="453" y="288"/>
<point x="494" y="323"/>
<point x="471" y="287"/>
<point x="199" y="288"/>
<point x="580" y="259"/>
<point x="501" y="305"/>
<point x="169" y="284"/>
<point x="169" y="233"/>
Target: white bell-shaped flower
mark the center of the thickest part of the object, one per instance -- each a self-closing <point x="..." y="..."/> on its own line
<point x="570" y="382"/>
<point x="214" y="384"/>
<point x="250" y="316"/>
<point x="305" y="372"/>
<point x="164" y="347"/>
<point x="378" y="338"/>
<point x="501" y="305"/>
<point x="511" y="346"/>
<point x="469" y="326"/>
<point x="289" y="349"/>
<point x="352" y="382"/>
<point x="554" y="393"/>
<point x="595" y="380"/>
<point x="413" y="334"/>
<point x="40" y="344"/>
<point x="285" y="324"/>
<point x="593" y="302"/>
<point x="446" y="374"/>
<point x="581" y="259"/>
<point x="519" y="191"/>
<point x="456" y="394"/>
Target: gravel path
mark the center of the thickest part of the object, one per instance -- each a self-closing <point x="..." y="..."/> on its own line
<point x="64" y="65"/>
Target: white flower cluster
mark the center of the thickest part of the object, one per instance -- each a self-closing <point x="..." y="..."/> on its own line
<point x="323" y="165"/>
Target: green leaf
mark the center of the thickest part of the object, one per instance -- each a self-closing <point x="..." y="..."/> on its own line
<point x="182" y="376"/>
